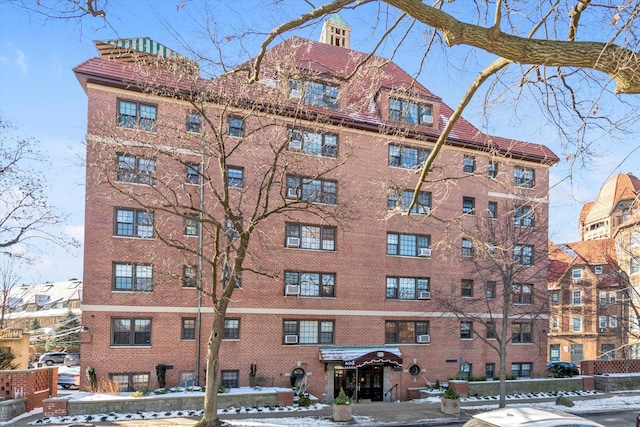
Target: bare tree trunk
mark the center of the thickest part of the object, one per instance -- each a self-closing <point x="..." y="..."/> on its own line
<point x="210" y="416"/>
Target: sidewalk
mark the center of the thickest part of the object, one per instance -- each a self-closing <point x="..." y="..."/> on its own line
<point x="379" y="414"/>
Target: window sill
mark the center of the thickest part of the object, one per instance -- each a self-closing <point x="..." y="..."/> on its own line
<point x="130" y="346"/>
<point x="118" y="236"/>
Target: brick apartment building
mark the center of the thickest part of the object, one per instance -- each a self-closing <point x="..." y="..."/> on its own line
<point x="354" y="299"/>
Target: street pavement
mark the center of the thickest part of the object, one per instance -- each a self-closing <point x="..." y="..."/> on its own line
<point x="379" y="414"/>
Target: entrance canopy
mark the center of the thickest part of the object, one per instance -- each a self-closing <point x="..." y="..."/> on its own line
<point x="356" y="357"/>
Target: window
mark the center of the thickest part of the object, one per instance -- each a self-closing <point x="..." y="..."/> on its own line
<point x="634" y="265"/>
<point x="555" y="297"/>
<point x="400" y="199"/>
<point x="193" y="173"/>
<point x="466" y="330"/>
<point x="576" y="297"/>
<point x="322" y="238"/>
<point x="231" y="329"/>
<point x="469" y="164"/>
<point x="613" y="297"/>
<point x="522" y="369"/>
<point x="576" y="324"/>
<point x="193" y="122"/>
<point x="189" y="276"/>
<point x="523" y="177"/>
<point x="407" y="157"/>
<point x="466" y="286"/>
<point x="229" y="378"/>
<point x="576" y="273"/>
<point x="234" y="177"/>
<point x="136" y="170"/>
<point x="311" y="284"/>
<point x="308" y="331"/>
<point x="407" y="244"/>
<point x="490" y="289"/>
<point x="132" y="277"/>
<point x="135" y="115"/>
<point x="492" y="210"/>
<point x="130" y="331"/>
<point x="634" y="239"/>
<point x="130" y="382"/>
<point x="490" y="370"/>
<point x="410" y="112"/>
<point x="188" y="328"/>
<point x="602" y="323"/>
<point x="555" y="323"/>
<point x="602" y="298"/>
<point x="312" y="190"/>
<point x="467" y="247"/>
<point x="523" y="216"/>
<point x="469" y="205"/>
<point x="236" y="127"/>
<point x="607" y="351"/>
<point x="613" y="321"/>
<point x="396" y="331"/>
<point x="191" y="226"/>
<point x="492" y="170"/>
<point x="133" y="223"/>
<point x="522" y="293"/>
<point x="313" y="143"/>
<point x="522" y="332"/>
<point x="314" y="93"/>
<point x="491" y="330"/>
<point x="597" y="269"/>
<point x="408" y="288"/>
<point x="523" y="254"/>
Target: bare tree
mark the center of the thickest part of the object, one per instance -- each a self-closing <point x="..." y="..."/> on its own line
<point x="504" y="298"/>
<point x="26" y="216"/>
<point x="9" y="279"/>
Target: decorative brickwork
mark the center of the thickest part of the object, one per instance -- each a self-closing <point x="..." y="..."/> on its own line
<point x="618" y="366"/>
<point x="35" y="385"/>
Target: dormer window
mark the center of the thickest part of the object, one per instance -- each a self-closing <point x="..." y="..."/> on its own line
<point x="314" y="93"/>
<point x="410" y="112"/>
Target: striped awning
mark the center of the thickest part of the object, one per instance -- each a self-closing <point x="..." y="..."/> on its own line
<point x="128" y="49"/>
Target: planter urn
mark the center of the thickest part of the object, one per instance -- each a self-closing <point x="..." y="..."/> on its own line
<point x="450" y="406"/>
<point x="342" y="413"/>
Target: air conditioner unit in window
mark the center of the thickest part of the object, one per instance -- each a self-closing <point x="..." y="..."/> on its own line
<point x="295" y="144"/>
<point x="424" y="252"/>
<point x="424" y="295"/>
<point x="423" y="339"/>
<point x="295" y="93"/>
<point x="292" y="289"/>
<point x="293" y="242"/>
<point x="427" y="119"/>
<point x="577" y="281"/>
<point x="603" y="330"/>
<point x="292" y="193"/>
<point x="291" y="339"/>
<point x="424" y="210"/>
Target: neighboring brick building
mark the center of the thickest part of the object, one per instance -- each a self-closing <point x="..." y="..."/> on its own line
<point x="348" y="303"/>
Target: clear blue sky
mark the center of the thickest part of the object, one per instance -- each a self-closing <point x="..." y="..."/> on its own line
<point x="40" y="95"/>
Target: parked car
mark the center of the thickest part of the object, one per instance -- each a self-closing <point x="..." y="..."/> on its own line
<point x="562" y="369"/>
<point x="72" y="359"/>
<point x="69" y="377"/>
<point x="52" y="358"/>
<point x="530" y="417"/>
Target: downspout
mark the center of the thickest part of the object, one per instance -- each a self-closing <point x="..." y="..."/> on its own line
<point x="200" y="250"/>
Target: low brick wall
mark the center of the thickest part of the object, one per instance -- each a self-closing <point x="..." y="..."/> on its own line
<point x="616" y="382"/>
<point x="34" y="385"/>
<point x="168" y="402"/>
<point x="616" y="366"/>
<point x="543" y="385"/>
<point x="9" y="409"/>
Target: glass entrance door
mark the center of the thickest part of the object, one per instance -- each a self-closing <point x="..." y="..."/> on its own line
<point x="371" y="379"/>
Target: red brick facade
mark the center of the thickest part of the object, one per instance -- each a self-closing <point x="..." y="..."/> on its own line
<point x="359" y="306"/>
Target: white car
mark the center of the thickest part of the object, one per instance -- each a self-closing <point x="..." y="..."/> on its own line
<point x="516" y="417"/>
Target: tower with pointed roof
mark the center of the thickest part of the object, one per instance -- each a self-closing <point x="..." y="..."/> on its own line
<point x="336" y="31"/>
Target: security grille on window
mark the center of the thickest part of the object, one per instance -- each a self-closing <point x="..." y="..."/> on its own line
<point x="523" y="216"/>
<point x="308" y="331"/>
<point x="401" y="199"/>
<point x="408" y="288"/>
<point x="130" y="332"/>
<point x="318" y="237"/>
<point x="407" y="157"/>
<point x="408" y="332"/>
<point x="134" y="223"/>
<point x="407" y="244"/>
<point x="231" y="329"/>
<point x="466" y="288"/>
<point x="522" y="332"/>
<point x="523" y="254"/>
<point x="135" y="115"/>
<point x="522" y="293"/>
<point x="410" y="112"/>
<point x="467" y="248"/>
<point x="193" y="122"/>
<point x="524" y="177"/>
<point x="492" y="210"/>
<point x="133" y="277"/>
<point x="468" y="205"/>
<point x="236" y="127"/>
<point x="235" y="177"/>
<point x="314" y="93"/>
<point x="466" y="330"/>
<point x="313" y="143"/>
<point x="311" y="284"/>
<point x="469" y="164"/>
<point x="193" y="173"/>
<point x="188" y="328"/>
<point x="136" y="169"/>
<point x="312" y="190"/>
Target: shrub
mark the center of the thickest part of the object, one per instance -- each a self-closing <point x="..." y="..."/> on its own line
<point x="450" y="393"/>
<point x="92" y="380"/>
<point x="304" y="400"/>
<point x="342" y="398"/>
<point x="437" y="386"/>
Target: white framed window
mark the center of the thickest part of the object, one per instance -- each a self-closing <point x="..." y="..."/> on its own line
<point x="634" y="239"/>
<point x="602" y="322"/>
<point x="555" y="323"/>
<point x="613" y="297"/>
<point x="576" y="324"/>
<point x="576" y="273"/>
<point x="576" y="297"/>
<point x="597" y="269"/>
<point x="399" y="198"/>
<point x="410" y="112"/>
<point x="524" y="177"/>
<point x="602" y="298"/>
<point x="634" y="265"/>
<point x="613" y="321"/>
<point x="469" y="164"/>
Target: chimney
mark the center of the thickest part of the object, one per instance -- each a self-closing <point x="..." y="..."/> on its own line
<point x="336" y="31"/>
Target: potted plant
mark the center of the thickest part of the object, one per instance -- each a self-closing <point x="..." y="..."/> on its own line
<point x="342" y="407"/>
<point x="450" y="402"/>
